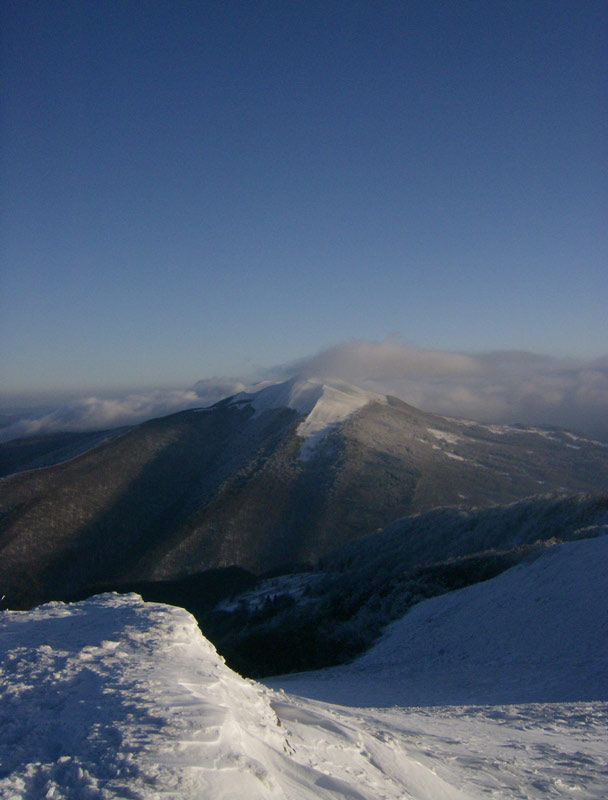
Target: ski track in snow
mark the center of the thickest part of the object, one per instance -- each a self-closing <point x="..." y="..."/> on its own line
<point x="116" y="698"/>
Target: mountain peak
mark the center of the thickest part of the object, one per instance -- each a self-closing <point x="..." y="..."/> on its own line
<point x="325" y="402"/>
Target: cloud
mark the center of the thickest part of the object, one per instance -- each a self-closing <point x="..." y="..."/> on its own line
<point x="98" y="413"/>
<point x="502" y="386"/>
<point x="210" y="390"/>
<point x="368" y="361"/>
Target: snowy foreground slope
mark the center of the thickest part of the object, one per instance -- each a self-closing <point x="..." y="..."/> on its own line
<point x="536" y="633"/>
<point x="117" y="698"/>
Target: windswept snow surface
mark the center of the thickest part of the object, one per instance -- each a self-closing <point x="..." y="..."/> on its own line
<point x="116" y="698"/>
<point x="324" y="403"/>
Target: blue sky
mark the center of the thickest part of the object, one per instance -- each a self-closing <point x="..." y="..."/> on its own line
<point x="200" y="188"/>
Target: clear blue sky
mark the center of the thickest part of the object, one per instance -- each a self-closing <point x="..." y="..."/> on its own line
<point x="196" y="188"/>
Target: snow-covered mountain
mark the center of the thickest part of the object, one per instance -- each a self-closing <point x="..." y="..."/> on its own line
<point x="324" y="404"/>
<point x="265" y="481"/>
<point x="115" y="698"/>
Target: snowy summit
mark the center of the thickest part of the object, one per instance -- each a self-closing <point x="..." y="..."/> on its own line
<point x="324" y="404"/>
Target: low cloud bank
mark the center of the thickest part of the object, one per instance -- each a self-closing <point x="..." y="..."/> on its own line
<point x="98" y="413"/>
<point x="503" y="386"/>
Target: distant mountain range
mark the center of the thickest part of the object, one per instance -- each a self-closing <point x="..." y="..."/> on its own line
<point x="264" y="481"/>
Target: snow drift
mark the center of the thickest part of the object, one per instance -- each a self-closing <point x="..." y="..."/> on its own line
<point x="116" y="698"/>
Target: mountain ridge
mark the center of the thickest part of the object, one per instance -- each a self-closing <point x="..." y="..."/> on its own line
<point x="323" y="402"/>
<point x="230" y="485"/>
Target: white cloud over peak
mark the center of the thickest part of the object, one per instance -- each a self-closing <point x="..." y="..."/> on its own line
<point x="361" y="360"/>
<point x="501" y="386"/>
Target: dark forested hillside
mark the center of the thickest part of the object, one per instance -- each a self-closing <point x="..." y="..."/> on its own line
<point x="334" y="613"/>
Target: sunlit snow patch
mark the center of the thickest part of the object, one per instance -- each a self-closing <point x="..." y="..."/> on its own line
<point x="450" y="438"/>
<point x="116" y="698"/>
<point x="325" y="403"/>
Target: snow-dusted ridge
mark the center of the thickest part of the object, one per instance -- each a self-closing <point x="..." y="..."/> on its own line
<point x="324" y="402"/>
<point x="327" y="402"/>
<point x="554" y="434"/>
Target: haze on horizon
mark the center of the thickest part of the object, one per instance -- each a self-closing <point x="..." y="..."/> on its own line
<point x="414" y="192"/>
